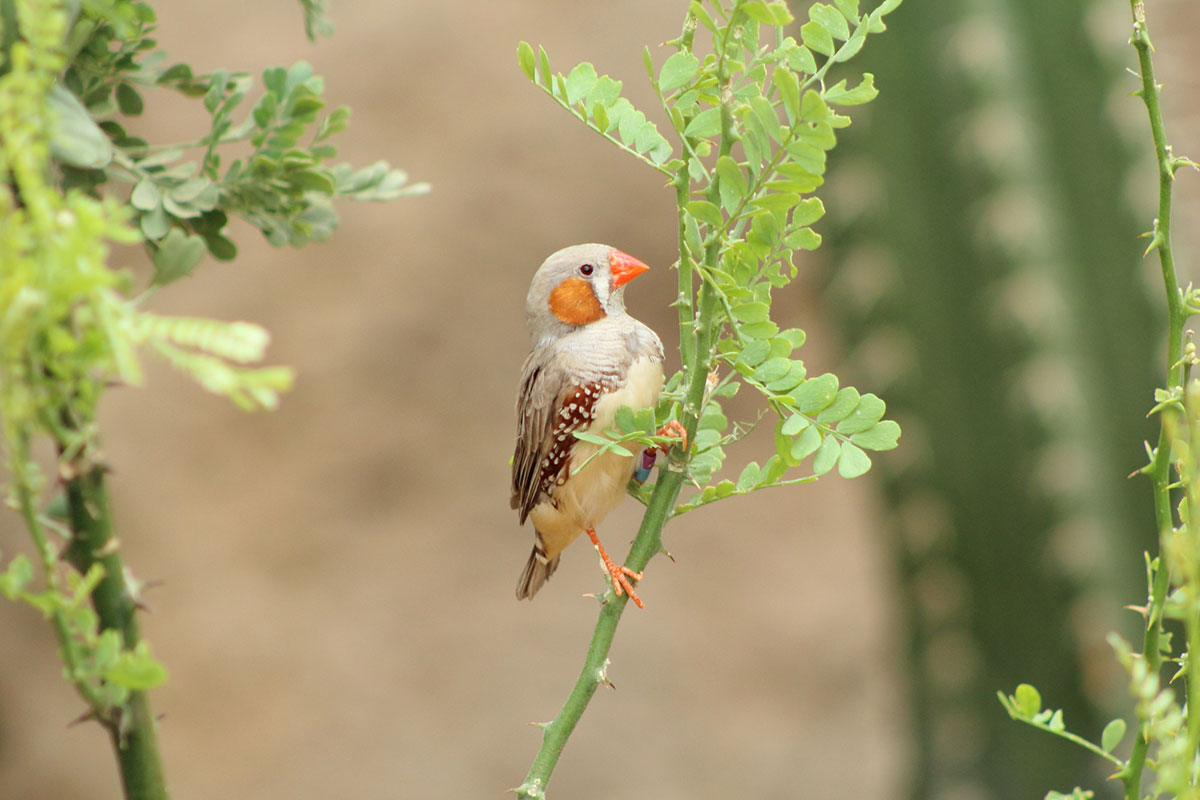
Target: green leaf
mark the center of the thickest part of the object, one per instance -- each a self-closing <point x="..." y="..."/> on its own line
<point x="580" y="81"/>
<point x="220" y="247"/>
<point x="76" y="139"/>
<point x="176" y="73"/>
<point x="801" y="59"/>
<point x="855" y="43"/>
<point x="816" y="37"/>
<point x="155" y="223"/>
<point x="129" y="100"/>
<point x="1114" y="732"/>
<point x="749" y="477"/>
<point x="779" y="201"/>
<point x="810" y="157"/>
<point x="759" y="330"/>
<point x="759" y="12"/>
<point x="853" y="461"/>
<point x="843" y="405"/>
<point x="772" y="369"/>
<point x="677" y="71"/>
<point x="813" y="107"/>
<point x="190" y="189"/>
<point x="161" y="158"/>
<point x="795" y="424"/>
<point x="136" y="669"/>
<point x="624" y="420"/>
<point x="803" y="239"/>
<point x="808" y="211"/>
<point x="703" y="16"/>
<point x="869" y="411"/>
<point x="619" y="450"/>
<point x="848" y="7"/>
<point x="831" y="19"/>
<point x="1028" y="699"/>
<point x="600" y="116"/>
<point x="1056" y="721"/>
<point x="704" y="125"/>
<point x="691" y="234"/>
<point x="865" y="92"/>
<point x="764" y="113"/>
<point x="827" y="455"/>
<point x="731" y="175"/>
<point x="789" y="89"/>
<point x="795" y="376"/>
<point x="764" y="230"/>
<point x="755" y="352"/>
<point x="18" y="575"/>
<point x="706" y="212"/>
<point x="816" y="393"/>
<point x="806" y="444"/>
<point x="177" y="255"/>
<point x="543" y="71"/>
<point x="880" y="436"/>
<point x="751" y="312"/>
<point x="606" y="91"/>
<point x="772" y="13"/>
<point x="145" y="195"/>
<point x="795" y="336"/>
<point x="526" y="59"/>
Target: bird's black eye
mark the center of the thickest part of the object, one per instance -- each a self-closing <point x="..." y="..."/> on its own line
<point x="586" y="269"/>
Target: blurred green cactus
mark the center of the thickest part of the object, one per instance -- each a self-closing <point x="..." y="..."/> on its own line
<point x="994" y="268"/>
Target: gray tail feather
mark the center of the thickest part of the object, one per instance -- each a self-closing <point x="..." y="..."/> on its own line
<point x="537" y="571"/>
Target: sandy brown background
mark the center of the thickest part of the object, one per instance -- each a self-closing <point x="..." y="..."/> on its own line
<point x="336" y="609"/>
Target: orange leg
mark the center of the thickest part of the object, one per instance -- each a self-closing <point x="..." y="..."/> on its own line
<point x="620" y="573"/>
<point x="676" y="431"/>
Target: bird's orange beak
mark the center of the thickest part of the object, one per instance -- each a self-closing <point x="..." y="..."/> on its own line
<point x="624" y="267"/>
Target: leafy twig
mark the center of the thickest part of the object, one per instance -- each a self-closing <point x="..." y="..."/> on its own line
<point x="1159" y="469"/>
<point x="728" y="100"/>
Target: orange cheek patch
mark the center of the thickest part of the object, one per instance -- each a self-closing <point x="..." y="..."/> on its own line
<point x="574" y="302"/>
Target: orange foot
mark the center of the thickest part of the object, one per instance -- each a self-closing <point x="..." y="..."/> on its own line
<point x="675" y="430"/>
<point x="619" y="573"/>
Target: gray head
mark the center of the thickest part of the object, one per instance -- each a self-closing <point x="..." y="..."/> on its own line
<point x="578" y="286"/>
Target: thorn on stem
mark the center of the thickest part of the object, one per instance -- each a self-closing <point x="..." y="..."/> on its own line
<point x="602" y="675"/>
<point x="86" y="716"/>
<point x="1143" y="610"/>
<point x="531" y="790"/>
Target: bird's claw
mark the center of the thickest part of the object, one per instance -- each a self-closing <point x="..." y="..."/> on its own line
<point x="674" y="430"/>
<point x="621" y="576"/>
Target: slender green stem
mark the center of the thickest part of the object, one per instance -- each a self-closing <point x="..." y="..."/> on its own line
<point x="1160" y="468"/>
<point x="71" y="657"/>
<point x="692" y="505"/>
<point x="133" y="734"/>
<point x="1071" y="737"/>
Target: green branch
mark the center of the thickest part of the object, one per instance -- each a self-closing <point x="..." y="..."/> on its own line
<point x="92" y="542"/>
<point x="595" y="665"/>
<point x="711" y="113"/>
<point x="1160" y="468"/>
<point x="71" y="657"/>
